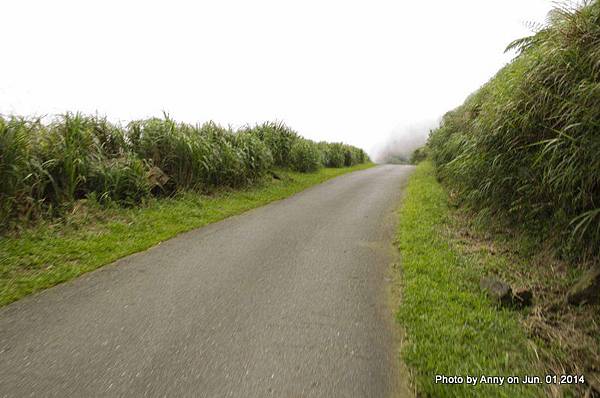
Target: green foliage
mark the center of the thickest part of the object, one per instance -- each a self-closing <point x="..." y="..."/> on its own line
<point x="44" y="169"/>
<point x="452" y="328"/>
<point x="334" y="154"/>
<point x="305" y="156"/>
<point x="177" y="150"/>
<point x="353" y="155"/>
<point x="350" y="157"/>
<point x="256" y="158"/>
<point x="526" y="146"/>
<point x="123" y="180"/>
<point x="14" y="155"/>
<point x="67" y="152"/>
<point x="281" y="141"/>
<point x="340" y="155"/>
<point x="418" y="155"/>
<point x="279" y="138"/>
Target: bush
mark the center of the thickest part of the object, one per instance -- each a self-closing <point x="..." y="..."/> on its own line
<point x="279" y="139"/>
<point x="350" y="156"/>
<point x="66" y="152"/>
<point x="335" y="155"/>
<point x="44" y="169"/>
<point x="15" y="148"/>
<point x="174" y="148"/>
<point x="120" y="180"/>
<point x="255" y="156"/>
<point x="305" y="156"/>
<point x="526" y="145"/>
<point x="418" y="155"/>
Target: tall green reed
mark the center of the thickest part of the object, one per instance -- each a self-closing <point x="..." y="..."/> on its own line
<point x="526" y="146"/>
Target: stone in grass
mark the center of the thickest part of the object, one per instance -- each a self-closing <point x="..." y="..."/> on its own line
<point x="587" y="289"/>
<point x="522" y="297"/>
<point x="498" y="290"/>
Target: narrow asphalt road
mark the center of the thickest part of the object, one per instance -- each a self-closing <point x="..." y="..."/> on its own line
<point x="287" y="300"/>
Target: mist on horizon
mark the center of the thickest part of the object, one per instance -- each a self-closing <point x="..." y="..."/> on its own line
<point x="403" y="140"/>
<point x="361" y="69"/>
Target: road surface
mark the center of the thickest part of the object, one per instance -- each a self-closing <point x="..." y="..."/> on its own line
<point x="287" y="300"/>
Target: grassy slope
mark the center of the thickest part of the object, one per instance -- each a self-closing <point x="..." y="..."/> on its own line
<point x="50" y="254"/>
<point x="451" y="327"/>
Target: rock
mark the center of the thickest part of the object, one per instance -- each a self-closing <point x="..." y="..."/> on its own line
<point x="497" y="290"/>
<point x="522" y="297"/>
<point x="587" y="289"/>
<point x="157" y="177"/>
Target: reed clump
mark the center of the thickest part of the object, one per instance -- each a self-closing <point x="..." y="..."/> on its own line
<point x="526" y="146"/>
<point x="46" y="167"/>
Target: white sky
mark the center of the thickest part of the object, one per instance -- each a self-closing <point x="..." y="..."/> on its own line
<point x="352" y="71"/>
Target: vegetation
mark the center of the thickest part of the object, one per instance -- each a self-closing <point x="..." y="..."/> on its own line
<point x="46" y="168"/>
<point x="340" y="155"/>
<point x="564" y="337"/>
<point x="452" y="328"/>
<point x="520" y="161"/>
<point x="526" y="146"/>
<point x="94" y="234"/>
<point x="80" y="192"/>
<point x="305" y="156"/>
<point x="418" y="155"/>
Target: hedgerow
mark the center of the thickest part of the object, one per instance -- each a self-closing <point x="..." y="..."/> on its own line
<point x="46" y="168"/>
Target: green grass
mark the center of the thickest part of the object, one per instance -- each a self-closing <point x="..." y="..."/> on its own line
<point x="525" y="146"/>
<point x="49" y="254"/>
<point x="452" y="328"/>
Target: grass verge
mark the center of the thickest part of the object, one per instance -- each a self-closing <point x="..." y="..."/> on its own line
<point x="451" y="327"/>
<point x="40" y="257"/>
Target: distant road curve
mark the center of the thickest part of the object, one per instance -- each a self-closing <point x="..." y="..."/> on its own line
<point x="287" y="300"/>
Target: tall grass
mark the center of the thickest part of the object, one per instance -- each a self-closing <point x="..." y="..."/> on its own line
<point x="45" y="168"/>
<point x="305" y="156"/>
<point x="279" y="138"/>
<point x="526" y="146"/>
<point x="14" y="165"/>
<point x="292" y="151"/>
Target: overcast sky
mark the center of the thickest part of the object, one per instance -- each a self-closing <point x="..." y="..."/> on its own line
<point x="355" y="71"/>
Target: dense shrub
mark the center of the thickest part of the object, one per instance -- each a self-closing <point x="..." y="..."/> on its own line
<point x="334" y="155"/>
<point x="527" y="145"/>
<point x="15" y="154"/>
<point x="350" y="156"/>
<point x="305" y="156"/>
<point x="353" y="156"/>
<point x="223" y="165"/>
<point x="255" y="156"/>
<point x="177" y="150"/>
<point x="278" y="138"/>
<point x="67" y="150"/>
<point x="122" y="180"/>
<point x="44" y="168"/>
<point x="418" y="155"/>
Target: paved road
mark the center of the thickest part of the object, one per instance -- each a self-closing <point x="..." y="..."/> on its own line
<point x="288" y="300"/>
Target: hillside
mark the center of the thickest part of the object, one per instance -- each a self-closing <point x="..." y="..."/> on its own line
<point x="520" y="161"/>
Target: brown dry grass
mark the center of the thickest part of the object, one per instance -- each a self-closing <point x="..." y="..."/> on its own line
<point x="566" y="338"/>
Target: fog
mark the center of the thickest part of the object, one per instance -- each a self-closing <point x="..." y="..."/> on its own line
<point x="402" y="142"/>
<point x="336" y="70"/>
